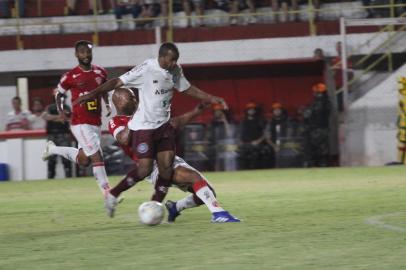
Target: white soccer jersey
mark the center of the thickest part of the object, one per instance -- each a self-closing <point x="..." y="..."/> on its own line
<point x="155" y="90"/>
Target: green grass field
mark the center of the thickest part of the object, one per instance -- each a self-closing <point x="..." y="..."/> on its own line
<point x="293" y="219"/>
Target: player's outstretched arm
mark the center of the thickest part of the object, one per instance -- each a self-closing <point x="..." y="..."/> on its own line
<point x="123" y="137"/>
<point x="195" y="92"/>
<point x="181" y="120"/>
<point x="108" y="106"/>
<point x="102" y="89"/>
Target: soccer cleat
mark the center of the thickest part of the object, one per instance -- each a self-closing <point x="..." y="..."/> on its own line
<point x="222" y="217"/>
<point x="172" y="211"/>
<point x="110" y="203"/>
<point x="46" y="154"/>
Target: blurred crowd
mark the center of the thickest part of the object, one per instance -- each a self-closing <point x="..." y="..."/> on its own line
<point x="42" y="118"/>
<point x="263" y="138"/>
<point x="149" y="9"/>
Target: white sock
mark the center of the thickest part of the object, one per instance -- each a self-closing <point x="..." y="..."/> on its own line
<point x="69" y="153"/>
<point x="185" y="203"/>
<point x="206" y="195"/>
<point x="99" y="172"/>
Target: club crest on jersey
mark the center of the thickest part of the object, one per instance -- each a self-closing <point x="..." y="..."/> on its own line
<point x="99" y="80"/>
<point x="142" y="148"/>
<point x="155" y="81"/>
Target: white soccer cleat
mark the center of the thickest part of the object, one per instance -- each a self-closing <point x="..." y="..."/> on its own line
<point x="110" y="203"/>
<point x="46" y="154"/>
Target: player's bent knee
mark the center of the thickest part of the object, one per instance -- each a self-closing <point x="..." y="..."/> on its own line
<point x="82" y="159"/>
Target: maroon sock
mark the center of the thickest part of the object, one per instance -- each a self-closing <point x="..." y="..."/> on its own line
<point x="161" y="189"/>
<point x="128" y="181"/>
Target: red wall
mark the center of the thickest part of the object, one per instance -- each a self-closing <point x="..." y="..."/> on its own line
<point x="287" y="82"/>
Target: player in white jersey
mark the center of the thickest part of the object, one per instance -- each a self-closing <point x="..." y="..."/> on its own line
<point x="152" y="135"/>
<point x="185" y="177"/>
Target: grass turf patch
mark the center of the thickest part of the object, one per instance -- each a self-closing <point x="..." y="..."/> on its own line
<point x="292" y="219"/>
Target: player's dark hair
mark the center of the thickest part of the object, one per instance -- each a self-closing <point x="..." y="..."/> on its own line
<point x="37" y="99"/>
<point x="84" y="43"/>
<point x="17" y="98"/>
<point x="166" y="47"/>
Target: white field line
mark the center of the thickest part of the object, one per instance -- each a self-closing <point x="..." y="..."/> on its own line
<point x="378" y="221"/>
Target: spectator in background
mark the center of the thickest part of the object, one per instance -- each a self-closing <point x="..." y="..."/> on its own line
<point x="284" y="4"/>
<point x="17" y="119"/>
<point x="72" y="7"/>
<point x="318" y="54"/>
<point x="369" y="11"/>
<point x="199" y="10"/>
<point x="237" y="5"/>
<point x="253" y="139"/>
<point x="336" y="66"/>
<point x="124" y="7"/>
<point x="316" y="128"/>
<point x="5" y="8"/>
<point x="223" y="139"/>
<point x="36" y="119"/>
<point x="149" y="10"/>
<point x="276" y="128"/>
<point x="58" y="131"/>
<point x="178" y="5"/>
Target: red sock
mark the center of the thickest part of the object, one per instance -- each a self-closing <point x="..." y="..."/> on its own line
<point x="199" y="184"/>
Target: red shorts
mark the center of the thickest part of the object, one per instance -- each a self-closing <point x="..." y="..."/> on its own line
<point x="146" y="143"/>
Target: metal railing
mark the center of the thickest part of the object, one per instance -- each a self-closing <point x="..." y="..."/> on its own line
<point x="384" y="46"/>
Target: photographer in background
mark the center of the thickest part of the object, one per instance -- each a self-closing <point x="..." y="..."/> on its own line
<point x="316" y="128"/>
<point x="254" y="152"/>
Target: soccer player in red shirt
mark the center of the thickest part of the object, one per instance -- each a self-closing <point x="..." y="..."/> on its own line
<point x="85" y="118"/>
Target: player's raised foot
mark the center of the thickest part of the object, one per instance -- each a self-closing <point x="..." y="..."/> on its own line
<point x="46" y="154"/>
<point x="223" y="217"/>
<point x="110" y="203"/>
<point x="172" y="211"/>
<point x="120" y="199"/>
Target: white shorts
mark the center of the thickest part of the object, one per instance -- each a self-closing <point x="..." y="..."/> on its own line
<point x="176" y="163"/>
<point x="88" y="137"/>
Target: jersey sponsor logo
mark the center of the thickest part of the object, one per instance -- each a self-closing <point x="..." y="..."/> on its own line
<point x="155" y="81"/>
<point x="142" y="148"/>
<point x="162" y="91"/>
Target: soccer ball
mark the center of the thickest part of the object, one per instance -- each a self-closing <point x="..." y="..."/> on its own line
<point x="151" y="213"/>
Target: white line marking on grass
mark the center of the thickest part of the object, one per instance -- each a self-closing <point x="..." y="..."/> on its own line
<point x="378" y="222"/>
